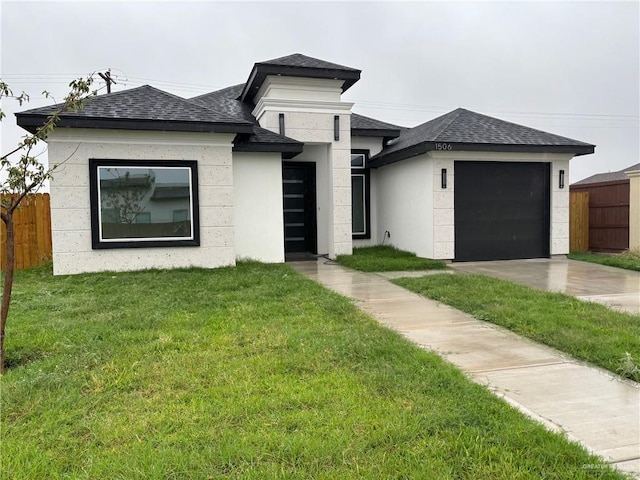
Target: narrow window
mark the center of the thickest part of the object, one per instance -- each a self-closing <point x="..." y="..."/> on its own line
<point x="143" y="203"/>
<point x="360" y="199"/>
<point x="281" y="123"/>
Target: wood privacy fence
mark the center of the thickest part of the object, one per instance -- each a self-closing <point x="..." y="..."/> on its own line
<point x="579" y="221"/>
<point x="32" y="226"/>
<point x="608" y="215"/>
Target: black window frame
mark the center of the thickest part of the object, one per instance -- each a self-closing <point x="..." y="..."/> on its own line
<point x="363" y="171"/>
<point x="97" y="243"/>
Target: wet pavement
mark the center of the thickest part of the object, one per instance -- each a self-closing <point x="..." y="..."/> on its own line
<point x="615" y="287"/>
<point x="590" y="405"/>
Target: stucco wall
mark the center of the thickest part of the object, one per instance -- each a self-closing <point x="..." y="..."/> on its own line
<point x="405" y="205"/>
<point x="70" y="203"/>
<point x="257" y="183"/>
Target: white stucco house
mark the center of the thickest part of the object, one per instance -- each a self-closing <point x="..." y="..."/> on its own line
<point x="279" y="167"/>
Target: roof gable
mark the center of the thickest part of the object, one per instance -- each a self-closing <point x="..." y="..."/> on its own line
<point x="297" y="65"/>
<point x="465" y="130"/>
<point x="142" y="108"/>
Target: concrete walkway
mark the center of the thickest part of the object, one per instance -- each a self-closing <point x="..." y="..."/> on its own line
<point x="614" y="287"/>
<point x="592" y="406"/>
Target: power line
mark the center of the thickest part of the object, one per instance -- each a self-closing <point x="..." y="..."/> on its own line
<point x="365" y="104"/>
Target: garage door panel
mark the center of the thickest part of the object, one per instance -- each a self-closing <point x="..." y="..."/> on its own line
<point x="501" y="210"/>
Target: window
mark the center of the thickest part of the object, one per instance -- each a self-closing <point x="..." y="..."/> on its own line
<point x="143" y="203"/>
<point x="360" y="215"/>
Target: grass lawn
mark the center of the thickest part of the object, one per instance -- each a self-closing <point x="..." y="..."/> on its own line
<point x="252" y="372"/>
<point x="386" y="259"/>
<point x="584" y="330"/>
<point x="629" y="260"/>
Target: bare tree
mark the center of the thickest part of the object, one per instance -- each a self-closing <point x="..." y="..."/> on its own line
<point x="25" y="175"/>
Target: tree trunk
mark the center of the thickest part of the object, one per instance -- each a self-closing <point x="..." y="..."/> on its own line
<point x="8" y="285"/>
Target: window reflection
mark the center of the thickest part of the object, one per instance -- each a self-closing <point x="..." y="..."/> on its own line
<point x="145" y="203"/>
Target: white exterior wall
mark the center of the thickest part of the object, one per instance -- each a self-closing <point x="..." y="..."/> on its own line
<point x="374" y="145"/>
<point x="309" y="106"/>
<point x="560" y="218"/>
<point x="257" y="184"/>
<point x="405" y="205"/>
<point x="70" y="202"/>
<point x="429" y="231"/>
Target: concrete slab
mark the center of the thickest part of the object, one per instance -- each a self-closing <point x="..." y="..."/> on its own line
<point x="614" y="287"/>
<point x="592" y="406"/>
<point x="477" y="346"/>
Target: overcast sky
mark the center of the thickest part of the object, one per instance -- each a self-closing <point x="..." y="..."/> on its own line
<point x="570" y="68"/>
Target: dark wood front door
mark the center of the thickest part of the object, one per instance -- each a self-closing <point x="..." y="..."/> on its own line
<point x="299" y="207"/>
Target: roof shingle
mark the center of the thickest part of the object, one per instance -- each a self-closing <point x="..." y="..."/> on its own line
<point x="467" y="130"/>
<point x="145" y="107"/>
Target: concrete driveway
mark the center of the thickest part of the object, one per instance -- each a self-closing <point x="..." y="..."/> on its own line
<point x="614" y="287"/>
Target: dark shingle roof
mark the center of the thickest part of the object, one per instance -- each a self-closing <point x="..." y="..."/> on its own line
<point x="362" y="126"/>
<point x="297" y="65"/>
<point x="299" y="60"/>
<point x="608" y="177"/>
<point x="260" y="139"/>
<point x="145" y="108"/>
<point x="226" y="101"/>
<point x="470" y="131"/>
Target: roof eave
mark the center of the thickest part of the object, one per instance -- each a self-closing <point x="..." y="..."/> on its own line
<point x="31" y="122"/>
<point x="287" y="150"/>
<point x="385" y="159"/>
<point x="261" y="70"/>
<point x="374" y="132"/>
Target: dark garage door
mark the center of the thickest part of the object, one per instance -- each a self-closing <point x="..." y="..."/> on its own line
<point x="501" y="210"/>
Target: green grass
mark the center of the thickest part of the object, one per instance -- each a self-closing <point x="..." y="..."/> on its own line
<point x="587" y="331"/>
<point x="252" y="372"/>
<point x="386" y="259"/>
<point x="629" y="260"/>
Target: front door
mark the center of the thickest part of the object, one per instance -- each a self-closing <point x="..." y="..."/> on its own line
<point x="299" y="207"/>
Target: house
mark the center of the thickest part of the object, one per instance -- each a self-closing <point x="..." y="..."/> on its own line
<point x="614" y="218"/>
<point x="279" y="167"/>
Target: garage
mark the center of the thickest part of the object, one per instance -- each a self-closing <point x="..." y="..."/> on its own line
<point x="501" y="210"/>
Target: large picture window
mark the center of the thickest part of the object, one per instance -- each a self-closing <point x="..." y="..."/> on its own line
<point x="143" y="203"/>
<point x="360" y="215"/>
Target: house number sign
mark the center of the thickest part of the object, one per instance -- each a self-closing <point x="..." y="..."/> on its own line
<point x="443" y="146"/>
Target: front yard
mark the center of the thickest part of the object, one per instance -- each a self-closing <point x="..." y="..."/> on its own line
<point x="247" y="372"/>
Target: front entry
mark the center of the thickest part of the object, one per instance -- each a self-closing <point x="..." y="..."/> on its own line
<point x="299" y="209"/>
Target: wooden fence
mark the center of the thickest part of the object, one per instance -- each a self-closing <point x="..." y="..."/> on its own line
<point x="579" y="221"/>
<point x="32" y="224"/>
<point x="608" y="215"/>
